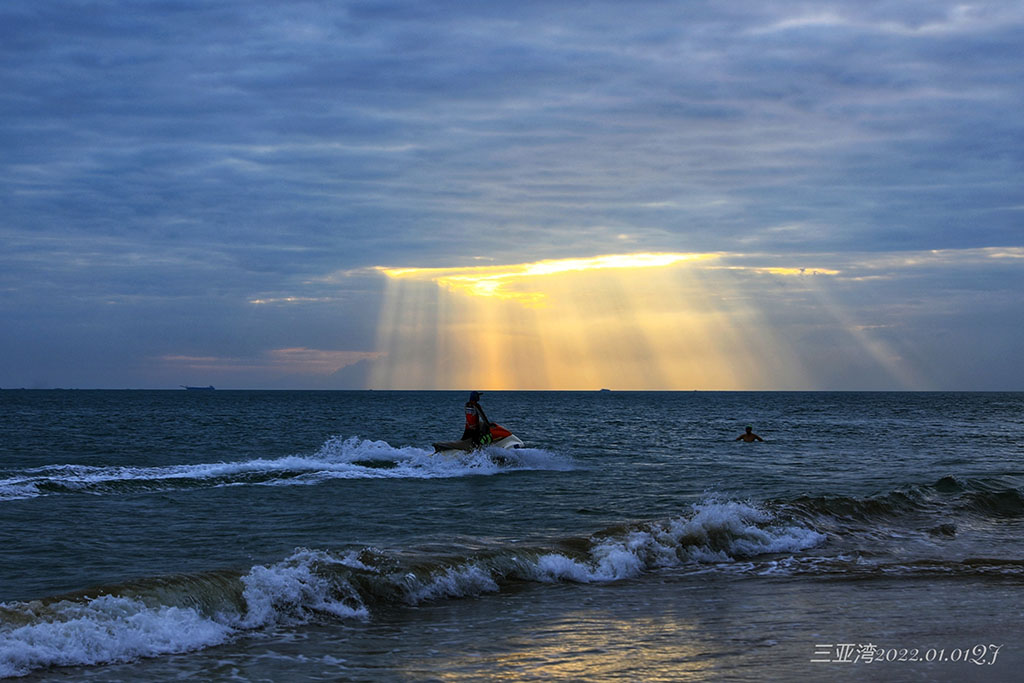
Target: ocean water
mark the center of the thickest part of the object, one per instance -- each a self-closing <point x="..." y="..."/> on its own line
<point x="267" y="536"/>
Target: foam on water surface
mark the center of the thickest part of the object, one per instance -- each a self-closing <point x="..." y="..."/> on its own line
<point x="338" y="458"/>
<point x="315" y="585"/>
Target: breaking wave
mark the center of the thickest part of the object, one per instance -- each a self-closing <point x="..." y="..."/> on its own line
<point x="824" y="536"/>
<point x="948" y="497"/>
<point x="338" y="458"/>
<point x="165" y="615"/>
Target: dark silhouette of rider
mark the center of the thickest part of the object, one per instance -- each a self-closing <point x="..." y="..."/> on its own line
<point x="478" y="427"/>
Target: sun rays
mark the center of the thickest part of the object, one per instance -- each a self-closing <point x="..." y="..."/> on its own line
<point x="656" y="321"/>
<point x="513" y="282"/>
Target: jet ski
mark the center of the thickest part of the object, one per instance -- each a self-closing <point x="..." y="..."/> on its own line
<point x="500" y="438"/>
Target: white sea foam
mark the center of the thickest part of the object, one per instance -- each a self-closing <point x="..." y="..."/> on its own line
<point x="338" y="458"/>
<point x="716" y="532"/>
<point x="102" y="630"/>
<point x="16" y="488"/>
<point x="111" y="628"/>
<point x="293" y="591"/>
<point x="720" y="531"/>
<point x="456" y="582"/>
<point x="315" y="584"/>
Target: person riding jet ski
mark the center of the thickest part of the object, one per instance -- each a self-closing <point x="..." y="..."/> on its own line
<point x="479" y="431"/>
<point x="478" y="427"/>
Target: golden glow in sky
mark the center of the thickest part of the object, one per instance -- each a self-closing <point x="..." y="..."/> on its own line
<point x="505" y="282"/>
<point x="648" y="321"/>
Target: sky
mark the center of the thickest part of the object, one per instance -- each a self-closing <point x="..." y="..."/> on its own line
<point x="512" y="195"/>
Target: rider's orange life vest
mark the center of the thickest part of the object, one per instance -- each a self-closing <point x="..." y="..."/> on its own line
<point x="472" y="416"/>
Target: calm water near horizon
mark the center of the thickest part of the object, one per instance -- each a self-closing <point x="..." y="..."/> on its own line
<point x="302" y="535"/>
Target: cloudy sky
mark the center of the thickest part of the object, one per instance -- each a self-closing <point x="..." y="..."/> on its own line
<point x="552" y="195"/>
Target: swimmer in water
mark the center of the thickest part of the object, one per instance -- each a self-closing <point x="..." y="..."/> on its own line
<point x="749" y="436"/>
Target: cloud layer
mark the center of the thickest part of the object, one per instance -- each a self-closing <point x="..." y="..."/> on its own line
<point x="217" y="179"/>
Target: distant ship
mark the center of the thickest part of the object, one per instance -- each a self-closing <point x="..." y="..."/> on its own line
<point x="209" y="388"/>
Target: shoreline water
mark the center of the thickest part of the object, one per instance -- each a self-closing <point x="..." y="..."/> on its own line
<point x="265" y="531"/>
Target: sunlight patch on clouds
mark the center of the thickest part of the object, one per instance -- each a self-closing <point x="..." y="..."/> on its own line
<point x="1012" y="252"/>
<point x="502" y="281"/>
<point x="782" y="270"/>
<point x="507" y="282"/>
<point x="662" y="321"/>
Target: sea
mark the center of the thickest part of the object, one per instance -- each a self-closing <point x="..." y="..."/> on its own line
<point x="314" y="536"/>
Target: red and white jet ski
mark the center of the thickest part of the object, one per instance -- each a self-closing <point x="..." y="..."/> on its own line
<point x="499" y="438"/>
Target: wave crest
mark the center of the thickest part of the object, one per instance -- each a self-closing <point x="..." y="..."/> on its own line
<point x="337" y="458"/>
<point x="168" y="615"/>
